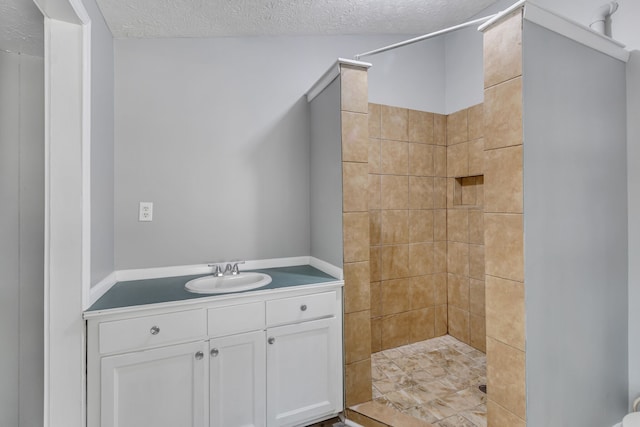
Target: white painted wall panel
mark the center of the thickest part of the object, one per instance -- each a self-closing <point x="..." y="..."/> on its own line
<point x="326" y="175"/>
<point x="575" y="226"/>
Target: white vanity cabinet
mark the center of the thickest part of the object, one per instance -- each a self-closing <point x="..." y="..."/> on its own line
<point x="270" y="360"/>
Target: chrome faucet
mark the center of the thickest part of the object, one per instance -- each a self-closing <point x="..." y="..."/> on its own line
<point x="217" y="271"/>
<point x="233" y="268"/>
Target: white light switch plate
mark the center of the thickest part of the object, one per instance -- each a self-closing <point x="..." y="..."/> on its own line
<point x="145" y="213"/>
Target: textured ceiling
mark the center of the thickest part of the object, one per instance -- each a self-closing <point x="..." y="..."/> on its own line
<point x="21" y="27"/>
<point x="210" y="18"/>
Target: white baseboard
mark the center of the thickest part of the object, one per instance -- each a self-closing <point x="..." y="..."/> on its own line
<point x="101" y="288"/>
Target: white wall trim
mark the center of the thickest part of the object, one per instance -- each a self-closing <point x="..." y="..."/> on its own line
<point x="575" y="31"/>
<point x="330" y="75"/>
<point x="186" y="270"/>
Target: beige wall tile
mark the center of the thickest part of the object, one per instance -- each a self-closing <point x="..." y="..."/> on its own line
<point x="476" y="157"/>
<point x="439" y="193"/>
<point x="476" y="262"/>
<point x="440" y="288"/>
<point x="497" y="416"/>
<point x="395" y="330"/>
<point x="420" y="127"/>
<point x="421" y="160"/>
<point x="394" y="157"/>
<point x="459" y="324"/>
<point x="421" y="258"/>
<point x="355" y="180"/>
<point x="440" y="161"/>
<point x="395" y="262"/>
<point x="357" y="286"/>
<point x="376" y="335"/>
<point x="506" y="376"/>
<point x="476" y="226"/>
<point x="358" y="382"/>
<point x="503" y="50"/>
<point x="355" y="137"/>
<point x="458" y="258"/>
<point x="440" y="257"/>
<point x="394" y="123"/>
<point x="374" y="120"/>
<point x="375" y="192"/>
<point x="374" y="156"/>
<point x="475" y="119"/>
<point x="458" y="160"/>
<point x="458" y="225"/>
<point x="476" y="297"/>
<point x="375" y="227"/>
<point x="457" y="127"/>
<point x="420" y="192"/>
<point x="422" y="293"/>
<point x="503" y="178"/>
<point x="375" y="263"/>
<point x="440" y="129"/>
<point x="458" y="291"/>
<point x="420" y="226"/>
<point x="354" y="89"/>
<point x="503" y="238"/>
<point x="422" y="324"/>
<point x="355" y="233"/>
<point x="454" y="193"/>
<point x="439" y="224"/>
<point x="376" y="299"/>
<point x="395" y="192"/>
<point x="395" y="226"/>
<point x="503" y="115"/>
<point x="477" y="332"/>
<point x="441" y="326"/>
<point x="357" y="336"/>
<point x="505" y="311"/>
<point x="395" y="296"/>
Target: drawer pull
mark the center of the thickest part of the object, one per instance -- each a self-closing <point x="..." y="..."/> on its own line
<point x="271" y="340"/>
<point x="214" y="352"/>
<point x="303" y="307"/>
<point x="199" y="355"/>
<point x="154" y="330"/>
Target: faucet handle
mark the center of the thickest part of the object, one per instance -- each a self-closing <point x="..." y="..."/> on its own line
<point x="217" y="271"/>
<point x="235" y="269"/>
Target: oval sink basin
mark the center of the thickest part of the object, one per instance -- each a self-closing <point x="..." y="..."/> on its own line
<point x="223" y="284"/>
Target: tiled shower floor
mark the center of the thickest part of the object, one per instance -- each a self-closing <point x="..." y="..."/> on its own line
<point x="434" y="380"/>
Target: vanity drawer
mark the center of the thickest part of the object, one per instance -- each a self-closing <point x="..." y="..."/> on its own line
<point x="151" y="331"/>
<point x="235" y="319"/>
<point x="298" y="309"/>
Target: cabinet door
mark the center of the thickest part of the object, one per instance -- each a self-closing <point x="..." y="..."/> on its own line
<point x="303" y="372"/>
<point x="237" y="380"/>
<point x="164" y="387"/>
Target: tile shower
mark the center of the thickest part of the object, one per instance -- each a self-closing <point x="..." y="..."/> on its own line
<point x="444" y="211"/>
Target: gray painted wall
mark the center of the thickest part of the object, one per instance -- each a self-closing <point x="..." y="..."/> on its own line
<point x="102" y="112"/>
<point x="575" y="225"/>
<point x="216" y="133"/>
<point x="633" y="171"/>
<point x="464" y="69"/>
<point x="326" y="175"/>
<point x="21" y="239"/>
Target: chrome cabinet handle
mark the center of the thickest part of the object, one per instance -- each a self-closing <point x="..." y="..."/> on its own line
<point x="154" y="330"/>
<point x="271" y="340"/>
<point x="214" y="352"/>
<point x="303" y="307"/>
<point x="199" y="355"/>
